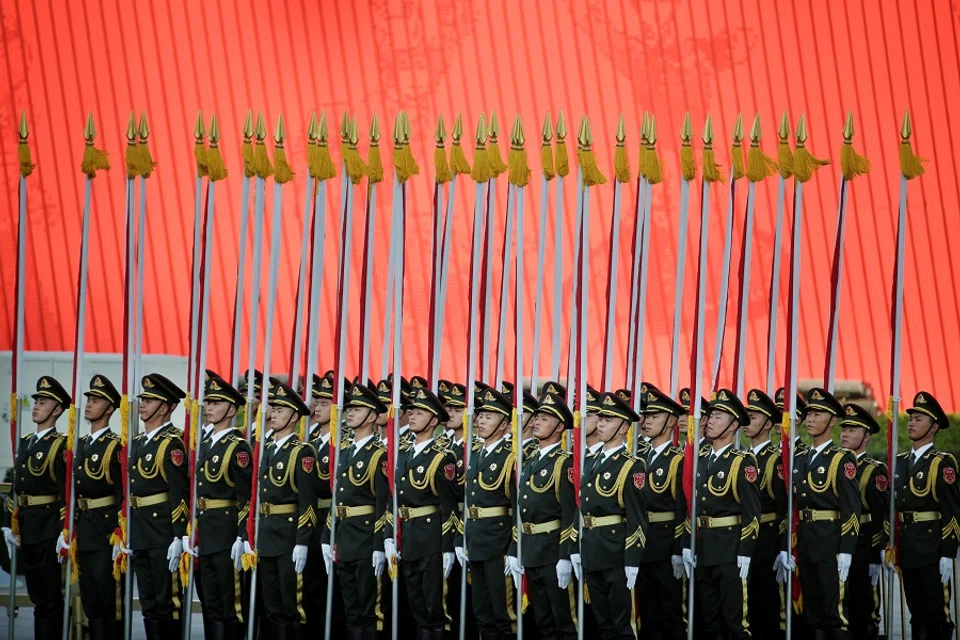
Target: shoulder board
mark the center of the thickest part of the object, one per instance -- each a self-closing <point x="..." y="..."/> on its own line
<point x="903" y="455"/>
<point x="345" y="445"/>
<point x="405" y="445"/>
<point x="626" y="455"/>
<point x="674" y="450"/>
<point x="377" y="443"/>
<point x="27" y="436"/>
<point x="946" y="456"/>
<point x="477" y="446"/>
<point x="874" y="462"/>
<point x="439" y="447"/>
<point x="110" y="435"/>
<point x="59" y="436"/>
<point x="835" y="449"/>
<point x="562" y="453"/>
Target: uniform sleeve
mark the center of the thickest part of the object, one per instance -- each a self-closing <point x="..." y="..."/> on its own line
<point x="568" y="511"/>
<point x="382" y="490"/>
<point x="849" y="494"/>
<point x="680" y="512"/>
<point x="636" y="515"/>
<point x="445" y="481"/>
<point x="779" y="490"/>
<point x="949" y="498"/>
<point x="175" y="467"/>
<point x="878" y="505"/>
<point x="307" y="491"/>
<point x="60" y="473"/>
<point x="749" y="492"/>
<point x="241" y="473"/>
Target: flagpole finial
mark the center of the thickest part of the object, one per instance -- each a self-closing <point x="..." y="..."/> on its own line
<point x="784" y="131"/>
<point x="214" y="130"/>
<point x="802" y="130"/>
<point x="247" y="126"/>
<point x="261" y="128"/>
<point x="280" y="133"/>
<point x="345" y="126"/>
<point x="621" y="132"/>
<point x="132" y="129"/>
<point x="644" y="126"/>
<point x="561" y="127"/>
<point x="755" y="134"/>
<point x="547" y="132"/>
<point x="440" y="133"/>
<point x="517" y="136"/>
<point x="398" y="130"/>
<point x="686" y="131"/>
<point x="481" y="132"/>
<point x="457" y="132"/>
<point x="652" y="132"/>
<point x="708" y="133"/>
<point x="374" y="131"/>
<point x="906" y="129"/>
<point x="583" y="135"/>
<point x="312" y="128"/>
<point x="322" y="132"/>
<point x="198" y="130"/>
<point x="144" y="127"/>
<point x="22" y="129"/>
<point x="738" y="130"/>
<point x="494" y="129"/>
<point x="848" y="128"/>
<point x="354" y="133"/>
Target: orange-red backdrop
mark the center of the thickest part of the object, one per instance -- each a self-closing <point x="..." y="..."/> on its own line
<point x="61" y="59"/>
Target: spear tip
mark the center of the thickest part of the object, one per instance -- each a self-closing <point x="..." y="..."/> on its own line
<point x="144" y="127"/>
<point x="652" y="131"/>
<point x="280" y="133"/>
<point x="132" y="129"/>
<point x="248" y="125"/>
<point x="457" y="132"/>
<point x="90" y="131"/>
<point x="198" y="131"/>
<point x="494" y="124"/>
<point x="755" y="130"/>
<point x="375" y="130"/>
<point x="261" y="127"/>
<point x="561" y="126"/>
<point x="322" y="131"/>
<point x="621" y="130"/>
<point x="644" y="126"/>
<point x="354" y="132"/>
<point x="22" y="130"/>
<point x="583" y="135"/>
<point x="708" y="131"/>
<point x="738" y="129"/>
<point x="345" y="125"/>
<point x="481" y="130"/>
<point x="784" y="131"/>
<point x="848" y="127"/>
<point x="906" y="129"/>
<point x="517" y="136"/>
<point x="398" y="128"/>
<point x="440" y="133"/>
<point x="686" y="132"/>
<point x="547" y="132"/>
<point x="802" y="129"/>
<point x="214" y="130"/>
<point x="406" y="126"/>
<point x="312" y="127"/>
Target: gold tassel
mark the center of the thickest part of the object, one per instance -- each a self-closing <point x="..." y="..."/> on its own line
<point x="546" y="160"/>
<point x="302" y="430"/>
<point x="759" y="164"/>
<point x="804" y="164"/>
<point x="496" y="162"/>
<point x="410" y="167"/>
<point x="15" y="523"/>
<point x="519" y="171"/>
<point x="71" y="426"/>
<point x="514" y="431"/>
<point x="356" y="171"/>
<point x="440" y="166"/>
<point x="785" y="157"/>
<point x="261" y="162"/>
<point x="313" y="160"/>
<point x="247" y="150"/>
<point x="654" y="168"/>
<point x="398" y="165"/>
<point x="13" y="407"/>
<point x="481" y="166"/>
<point x="785" y="425"/>
<point x="911" y="165"/>
<point x="74" y="567"/>
<point x="282" y="171"/>
<point x="194" y="422"/>
<point x="374" y="166"/>
<point x="586" y="594"/>
<point x="200" y="153"/>
<point x="124" y="419"/>
<point x="691" y="427"/>
<point x="26" y="165"/>
<point x="588" y="167"/>
<point x="621" y="165"/>
<point x="852" y="164"/>
<point x="458" y="160"/>
<point x="524" y="603"/>
<point x="130" y="158"/>
<point x="119" y="566"/>
<point x="325" y="167"/>
<point x="249" y="561"/>
<point x="94" y="160"/>
<point x="561" y="159"/>
<point x="688" y="164"/>
<point x="739" y="164"/>
<point x="393" y="570"/>
<point x="215" y="167"/>
<point x="711" y="170"/>
<point x="185" y="559"/>
<point x="145" y="163"/>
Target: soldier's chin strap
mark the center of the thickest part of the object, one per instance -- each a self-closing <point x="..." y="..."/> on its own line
<point x="50" y="413"/>
<point x="664" y="429"/>
<point x="826" y="428"/>
<point x="862" y="438"/>
<point x="102" y="413"/>
<point x="152" y="415"/>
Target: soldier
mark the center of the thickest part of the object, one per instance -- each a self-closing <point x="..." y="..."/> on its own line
<point x="590" y="422"/>
<point x="528" y="443"/>
<point x="825" y="493"/>
<point x="37" y="521"/>
<point x="361" y="504"/>
<point x="763" y="590"/>
<point x="223" y="505"/>
<point x="488" y="523"/>
<point x="426" y="503"/>
<point x="385" y="395"/>
<point x="257" y="397"/>
<point x="928" y="505"/>
<point x="659" y="582"/>
<point x="704" y="446"/>
<point x="158" y="507"/>
<point x="288" y="515"/>
<point x="614" y="523"/>
<point x="873" y="482"/>
<point x="728" y="518"/>
<point x="548" y="512"/>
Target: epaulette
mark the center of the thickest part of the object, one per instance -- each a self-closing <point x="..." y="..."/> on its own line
<point x="377" y="444"/>
<point x="439" y="447"/>
<point x="26" y="436"/>
<point x="563" y="453"/>
<point x="345" y="445"/>
<point x="903" y="455"/>
<point x="874" y="462"/>
<point x="405" y="445"/>
<point x="674" y="450"/>
<point x="944" y="455"/>
<point x="477" y="445"/>
<point x="705" y="449"/>
<point x="111" y="435"/>
<point x="626" y="454"/>
<point x="443" y="439"/>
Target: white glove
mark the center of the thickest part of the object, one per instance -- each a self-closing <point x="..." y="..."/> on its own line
<point x="390" y="549"/>
<point x="174" y="551"/>
<point x="843" y="565"/>
<point x="784" y="565"/>
<point x="575" y="561"/>
<point x="327" y="556"/>
<point x="236" y="553"/>
<point x="689" y="562"/>
<point x="512" y="568"/>
<point x="564" y="571"/>
<point x="379" y="562"/>
<point x="875" y="571"/>
<point x="461" y="556"/>
<point x="743" y="562"/>
<point x="192" y="551"/>
<point x="62" y="545"/>
<point x="448" y="560"/>
<point x="946" y="570"/>
<point x="11" y="540"/>
<point x="677" y="562"/>
<point x="631" y="576"/>
<point x="299" y="557"/>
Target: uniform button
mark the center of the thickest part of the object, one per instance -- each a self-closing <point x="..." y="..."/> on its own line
<point x="586" y="497"/>
<point x="703" y="499"/>
<point x="200" y="484"/>
<point x="366" y="522"/>
<point x="613" y="531"/>
<point x="429" y="520"/>
<point x="341" y="488"/>
<point x="154" y="515"/>
<point x="343" y="475"/>
<point x="803" y="495"/>
<point x="589" y="484"/>
<point x="289" y="519"/>
<point x="524" y="509"/>
<point x="473" y="493"/>
<point x="401" y="491"/>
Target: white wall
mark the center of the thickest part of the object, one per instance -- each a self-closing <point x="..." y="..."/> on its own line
<point x="60" y="366"/>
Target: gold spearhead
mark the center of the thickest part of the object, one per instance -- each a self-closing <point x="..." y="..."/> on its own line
<point x="312" y="127"/>
<point x="848" y="127"/>
<point x="375" y="131"/>
<point x="280" y="133"/>
<point x="708" y="133"/>
<point x="440" y="133"/>
<point x="546" y="133"/>
<point x="621" y="132"/>
<point x="738" y="130"/>
<point x="322" y="132"/>
<point x="652" y="131"/>
<point x="494" y="130"/>
<point x="561" y="127"/>
<point x="89" y="131"/>
<point x="802" y="130"/>
<point x="644" y="126"/>
<point x="457" y="132"/>
<point x="144" y="127"/>
<point x="345" y="126"/>
<point x="784" y="131"/>
<point x="132" y="129"/>
<point x="22" y="130"/>
<point x="261" y="128"/>
<point x="247" y="126"/>
<point x="214" y="131"/>
<point x="686" y="132"/>
<point x="198" y="131"/>
<point x="517" y="137"/>
<point x="481" y="131"/>
<point x="398" y="130"/>
<point x="354" y="133"/>
<point x="406" y="127"/>
<point x="755" y="131"/>
<point x="906" y="129"/>
<point x="583" y="135"/>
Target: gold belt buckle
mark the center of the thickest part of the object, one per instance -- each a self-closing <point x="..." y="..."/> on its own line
<point x="588" y="522"/>
<point x="528" y="528"/>
<point x="404" y="512"/>
<point x="201" y="503"/>
<point x="341" y="512"/>
<point x="135" y="502"/>
<point x="265" y="508"/>
<point x="704" y="521"/>
<point x="83" y="503"/>
<point x="473" y="513"/>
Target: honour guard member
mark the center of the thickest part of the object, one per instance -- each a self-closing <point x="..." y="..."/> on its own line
<point x="223" y="505"/>
<point x="385" y="395"/>
<point x="257" y="397"/>
<point x="825" y="493"/>
<point x="158" y="507"/>
<point x="362" y="498"/>
<point x="763" y="591"/>
<point x="614" y="523"/>
<point x="659" y="582"/>
<point x="590" y="422"/>
<point x="873" y="485"/>
<point x="800" y="447"/>
<point x="97" y="474"/>
<point x="489" y="523"/>
<point x="928" y="506"/>
<point x="528" y="443"/>
<point x="548" y="513"/>
<point x="40" y="474"/>
<point x="728" y="518"/>
<point x="426" y="503"/>
<point x="288" y="515"/>
<point x="705" y="413"/>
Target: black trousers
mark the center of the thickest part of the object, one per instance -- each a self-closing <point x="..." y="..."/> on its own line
<point x="43" y="574"/>
<point x="723" y="600"/>
<point x="315" y="597"/>
<point x="824" y="604"/>
<point x="423" y="578"/>
<point x="763" y="592"/>
<point x="612" y="603"/>
<point x="453" y="606"/>
<point x="101" y="595"/>
<point x="928" y="600"/>
<point x="159" y="589"/>
<point x="361" y="591"/>
<point x="493" y="603"/>
<point x="223" y="599"/>
<point x="661" y="600"/>
<point x="863" y="602"/>
<point x="282" y="589"/>
<point x="554" y="609"/>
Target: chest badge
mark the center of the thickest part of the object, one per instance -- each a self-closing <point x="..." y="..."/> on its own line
<point x="359" y="464"/>
<point x="149" y="457"/>
<point x="280" y="465"/>
<point x="216" y="459"/>
<point x="660" y="471"/>
<point x="721" y="474"/>
<point x="326" y="459"/>
<point x="95" y="457"/>
<point x="493" y="467"/>
<point x="919" y="475"/>
<point x="606" y="475"/>
<point x="821" y="470"/>
<point x="420" y="469"/>
<point x="39" y="455"/>
<point x="543" y="473"/>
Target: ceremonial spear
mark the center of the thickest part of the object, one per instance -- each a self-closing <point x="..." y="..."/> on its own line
<point x="637" y="257"/>
<point x="16" y="372"/>
<point x="496" y="167"/>
<point x="374" y="176"/>
<point x="245" y="181"/>
<point x="200" y="153"/>
<point x="785" y="163"/>
<point x="442" y="175"/>
<point x="506" y="257"/>
<point x="710" y="175"/>
<point x="561" y="165"/>
<point x="546" y="160"/>
<point x="93" y="160"/>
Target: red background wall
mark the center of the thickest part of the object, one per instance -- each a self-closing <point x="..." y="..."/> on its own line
<point x="60" y="59"/>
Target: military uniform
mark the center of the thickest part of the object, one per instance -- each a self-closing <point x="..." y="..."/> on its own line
<point x="614" y="528"/>
<point x="40" y="513"/>
<point x="97" y="476"/>
<point x="158" y="513"/>
<point x="223" y="506"/>
<point x="825" y="493"/>
<point x="548" y="513"/>
<point x="928" y="508"/>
